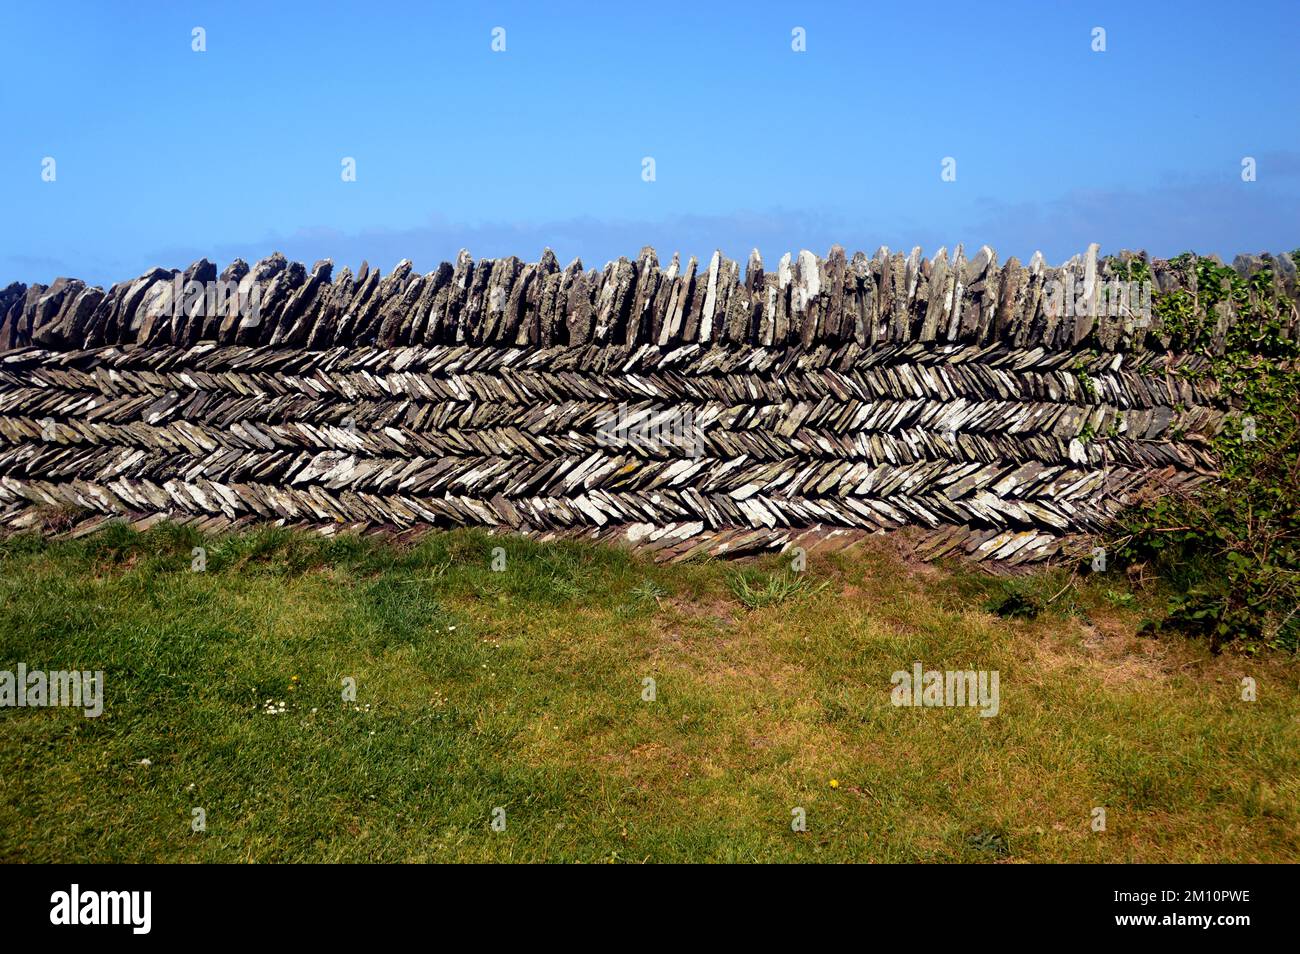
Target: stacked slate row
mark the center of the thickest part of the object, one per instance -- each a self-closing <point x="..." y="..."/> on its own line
<point x="808" y="302"/>
<point x="832" y="398"/>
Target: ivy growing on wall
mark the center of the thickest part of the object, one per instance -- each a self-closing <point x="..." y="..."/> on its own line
<point x="1231" y="550"/>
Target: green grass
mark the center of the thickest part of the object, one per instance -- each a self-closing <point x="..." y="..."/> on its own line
<point x="522" y="689"/>
<point x="758" y="590"/>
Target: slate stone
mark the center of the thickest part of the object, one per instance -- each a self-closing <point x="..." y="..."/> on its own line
<point x="856" y="394"/>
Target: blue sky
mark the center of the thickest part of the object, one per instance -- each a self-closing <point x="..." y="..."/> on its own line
<point x="164" y="155"/>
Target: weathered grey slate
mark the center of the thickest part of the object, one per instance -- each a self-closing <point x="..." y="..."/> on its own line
<point x="680" y="409"/>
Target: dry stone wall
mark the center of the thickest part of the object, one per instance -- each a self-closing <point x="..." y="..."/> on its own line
<point x="996" y="410"/>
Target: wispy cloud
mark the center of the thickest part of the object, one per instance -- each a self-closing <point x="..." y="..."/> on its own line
<point x="1224" y="216"/>
<point x="1220" y="216"/>
<point x="594" y="240"/>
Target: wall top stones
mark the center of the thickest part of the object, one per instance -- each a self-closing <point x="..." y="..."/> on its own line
<point x="890" y="298"/>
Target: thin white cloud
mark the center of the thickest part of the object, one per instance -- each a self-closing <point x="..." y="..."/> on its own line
<point x="1224" y="216"/>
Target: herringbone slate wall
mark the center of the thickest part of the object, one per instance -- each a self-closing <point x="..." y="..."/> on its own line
<point x="999" y="410"/>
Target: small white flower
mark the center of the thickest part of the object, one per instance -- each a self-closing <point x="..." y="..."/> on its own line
<point x="145" y="762"/>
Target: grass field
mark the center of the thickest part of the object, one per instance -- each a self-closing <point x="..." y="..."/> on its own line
<point x="523" y="690"/>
